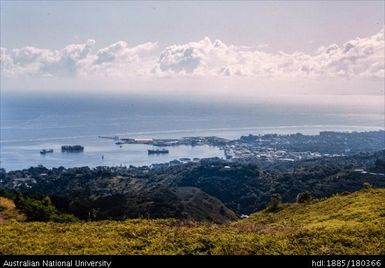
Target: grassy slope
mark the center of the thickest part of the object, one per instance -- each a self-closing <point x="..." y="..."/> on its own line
<point x="343" y="224"/>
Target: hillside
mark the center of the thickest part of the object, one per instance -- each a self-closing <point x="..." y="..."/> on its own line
<point x="157" y="202"/>
<point x="343" y="224"/>
<point x="119" y="193"/>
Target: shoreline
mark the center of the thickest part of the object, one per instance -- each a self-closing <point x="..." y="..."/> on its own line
<point x="290" y="129"/>
<point x="115" y="151"/>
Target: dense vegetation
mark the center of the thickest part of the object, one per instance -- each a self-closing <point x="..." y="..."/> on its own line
<point x="40" y="209"/>
<point x="343" y="224"/>
<point x="212" y="189"/>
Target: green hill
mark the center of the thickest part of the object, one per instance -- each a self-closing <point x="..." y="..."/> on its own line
<point x="343" y="224"/>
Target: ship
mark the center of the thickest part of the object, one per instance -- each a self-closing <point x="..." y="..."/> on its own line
<point x="158" y="151"/>
<point x="72" y="148"/>
<point x="46" y="151"/>
<point x="109" y="137"/>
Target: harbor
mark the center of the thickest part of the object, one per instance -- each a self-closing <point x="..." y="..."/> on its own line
<point x="163" y="142"/>
<point x="122" y="150"/>
<point x="98" y="152"/>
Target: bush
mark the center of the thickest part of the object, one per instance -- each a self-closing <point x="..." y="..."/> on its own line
<point x="304" y="197"/>
<point x="41" y="210"/>
<point x="275" y="202"/>
<point x="63" y="218"/>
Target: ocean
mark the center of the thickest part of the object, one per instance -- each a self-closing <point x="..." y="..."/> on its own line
<point x="32" y="123"/>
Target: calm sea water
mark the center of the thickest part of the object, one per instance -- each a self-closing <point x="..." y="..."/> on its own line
<point x="29" y="124"/>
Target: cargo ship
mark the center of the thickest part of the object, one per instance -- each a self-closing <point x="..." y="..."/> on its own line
<point x="72" y="148"/>
<point x="46" y="151"/>
<point x="158" y="151"/>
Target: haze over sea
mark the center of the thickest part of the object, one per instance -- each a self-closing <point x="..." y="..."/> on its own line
<point x="30" y="123"/>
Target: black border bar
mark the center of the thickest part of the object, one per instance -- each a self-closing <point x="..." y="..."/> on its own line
<point x="109" y="261"/>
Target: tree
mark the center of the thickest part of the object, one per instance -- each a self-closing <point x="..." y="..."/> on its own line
<point x="46" y="201"/>
<point x="41" y="210"/>
<point x="367" y="185"/>
<point x="304" y="197"/>
<point x="275" y="202"/>
<point x="222" y="210"/>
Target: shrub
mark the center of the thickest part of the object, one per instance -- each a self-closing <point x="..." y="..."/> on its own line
<point x="275" y="202"/>
<point x="304" y="197"/>
<point x="63" y="218"/>
<point x="41" y="210"/>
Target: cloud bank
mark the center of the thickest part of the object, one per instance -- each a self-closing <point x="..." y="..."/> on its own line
<point x="357" y="58"/>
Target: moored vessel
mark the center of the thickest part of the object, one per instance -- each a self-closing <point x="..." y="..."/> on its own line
<point x="46" y="151"/>
<point x="72" y="148"/>
<point x="158" y="151"/>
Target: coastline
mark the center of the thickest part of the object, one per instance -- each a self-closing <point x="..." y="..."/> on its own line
<point x="105" y="152"/>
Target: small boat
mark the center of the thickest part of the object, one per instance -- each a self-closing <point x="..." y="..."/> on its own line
<point x="46" y="151"/>
<point x="158" y="151"/>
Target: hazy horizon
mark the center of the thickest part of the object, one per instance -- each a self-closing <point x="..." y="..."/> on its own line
<point x="233" y="50"/>
<point x="258" y="64"/>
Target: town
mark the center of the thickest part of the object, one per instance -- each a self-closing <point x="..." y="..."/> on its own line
<point x="274" y="147"/>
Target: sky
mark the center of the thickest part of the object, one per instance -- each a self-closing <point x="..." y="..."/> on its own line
<point x="243" y="48"/>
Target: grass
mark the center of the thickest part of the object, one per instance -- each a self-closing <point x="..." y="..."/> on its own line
<point x="342" y="224"/>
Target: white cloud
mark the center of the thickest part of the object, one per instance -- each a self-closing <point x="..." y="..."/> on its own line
<point x="201" y="57"/>
<point x="357" y="58"/>
<point x="361" y="57"/>
<point x="119" y="59"/>
<point x="44" y="62"/>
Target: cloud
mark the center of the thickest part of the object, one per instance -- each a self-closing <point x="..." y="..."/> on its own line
<point x="195" y="57"/>
<point x="361" y="57"/>
<point x="119" y="59"/>
<point x="75" y="60"/>
<point x="357" y="58"/>
<point x="44" y="62"/>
